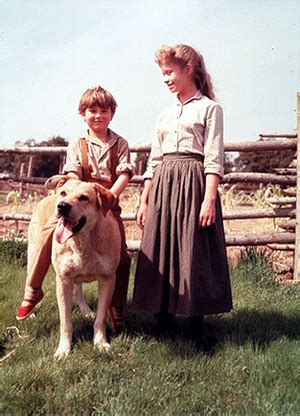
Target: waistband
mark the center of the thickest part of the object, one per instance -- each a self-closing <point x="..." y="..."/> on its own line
<point x="183" y="156"/>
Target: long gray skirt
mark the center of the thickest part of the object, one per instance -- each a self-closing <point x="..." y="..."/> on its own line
<point x="181" y="269"/>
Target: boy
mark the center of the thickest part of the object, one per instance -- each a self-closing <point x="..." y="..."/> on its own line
<point x="104" y="157"/>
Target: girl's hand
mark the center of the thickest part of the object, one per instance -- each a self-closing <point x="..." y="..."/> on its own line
<point x="141" y="215"/>
<point x="207" y="214"/>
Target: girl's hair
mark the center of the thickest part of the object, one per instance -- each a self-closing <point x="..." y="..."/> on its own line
<point x="183" y="55"/>
<point x="97" y="97"/>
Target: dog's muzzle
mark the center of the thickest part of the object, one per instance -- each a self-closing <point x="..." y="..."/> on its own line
<point x="63" y="208"/>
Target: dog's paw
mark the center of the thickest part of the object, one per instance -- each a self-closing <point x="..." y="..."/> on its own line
<point x="102" y="347"/>
<point x="87" y="312"/>
<point x="100" y="342"/>
<point x="63" y="350"/>
<point x="59" y="355"/>
<point x="89" y="315"/>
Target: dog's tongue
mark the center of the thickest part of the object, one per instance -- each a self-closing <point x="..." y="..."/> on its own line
<point x="62" y="232"/>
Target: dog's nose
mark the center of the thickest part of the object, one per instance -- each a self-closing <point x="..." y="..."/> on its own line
<point x="63" y="208"/>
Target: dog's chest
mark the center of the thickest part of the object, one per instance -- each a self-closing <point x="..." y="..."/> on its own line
<point x="79" y="264"/>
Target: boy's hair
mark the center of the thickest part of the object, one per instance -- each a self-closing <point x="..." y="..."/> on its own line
<point x="183" y="55"/>
<point x="97" y="97"/>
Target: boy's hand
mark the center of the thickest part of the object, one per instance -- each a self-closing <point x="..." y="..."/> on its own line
<point x="141" y="215"/>
<point x="73" y="175"/>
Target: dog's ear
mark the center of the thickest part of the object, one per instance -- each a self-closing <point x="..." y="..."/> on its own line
<point x="106" y="199"/>
<point x="56" y="181"/>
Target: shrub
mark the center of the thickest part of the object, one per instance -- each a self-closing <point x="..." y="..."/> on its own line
<point x="13" y="249"/>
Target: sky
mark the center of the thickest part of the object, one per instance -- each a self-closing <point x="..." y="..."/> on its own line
<point x="51" y="51"/>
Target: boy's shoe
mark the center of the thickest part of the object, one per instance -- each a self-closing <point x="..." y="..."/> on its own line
<point x="25" y="311"/>
<point x="116" y="315"/>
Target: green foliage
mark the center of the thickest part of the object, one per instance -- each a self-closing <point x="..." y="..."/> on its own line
<point x="228" y="163"/>
<point x="249" y="367"/>
<point x="14" y="250"/>
<point x="256" y="266"/>
<point x="43" y="165"/>
<point x="48" y="165"/>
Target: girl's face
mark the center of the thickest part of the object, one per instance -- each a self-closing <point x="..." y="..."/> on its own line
<point x="178" y="79"/>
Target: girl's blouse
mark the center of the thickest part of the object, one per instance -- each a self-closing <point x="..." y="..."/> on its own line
<point x="195" y="126"/>
<point x="99" y="157"/>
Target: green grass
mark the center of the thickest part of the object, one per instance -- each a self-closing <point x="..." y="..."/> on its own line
<point x="250" y="364"/>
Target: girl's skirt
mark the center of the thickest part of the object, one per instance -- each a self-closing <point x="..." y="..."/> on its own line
<point x="181" y="269"/>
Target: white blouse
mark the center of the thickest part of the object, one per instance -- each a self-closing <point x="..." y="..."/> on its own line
<point x="196" y="126"/>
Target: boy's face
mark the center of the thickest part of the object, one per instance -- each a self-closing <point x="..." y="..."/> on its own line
<point x="98" y="119"/>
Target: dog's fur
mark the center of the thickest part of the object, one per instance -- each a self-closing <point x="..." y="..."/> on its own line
<point x="85" y="248"/>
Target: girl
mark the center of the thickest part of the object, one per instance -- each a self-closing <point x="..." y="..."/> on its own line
<point x="182" y="265"/>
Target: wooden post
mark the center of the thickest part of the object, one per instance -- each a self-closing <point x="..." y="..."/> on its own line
<point x="29" y="172"/>
<point x="62" y="162"/>
<point x="22" y="170"/>
<point x="297" y="237"/>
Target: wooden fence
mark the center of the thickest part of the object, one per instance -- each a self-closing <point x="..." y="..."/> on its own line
<point x="283" y="177"/>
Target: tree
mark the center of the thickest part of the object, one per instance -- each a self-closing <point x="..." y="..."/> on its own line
<point x="48" y="165"/>
<point x="228" y="163"/>
<point x="43" y="165"/>
<point x="264" y="161"/>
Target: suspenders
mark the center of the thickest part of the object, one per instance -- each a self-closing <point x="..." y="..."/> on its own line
<point x="113" y="160"/>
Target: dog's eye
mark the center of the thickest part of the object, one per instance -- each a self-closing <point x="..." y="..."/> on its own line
<point x="63" y="193"/>
<point x="83" y="198"/>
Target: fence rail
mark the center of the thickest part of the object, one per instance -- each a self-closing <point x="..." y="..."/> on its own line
<point x="284" y="177"/>
<point x="282" y="144"/>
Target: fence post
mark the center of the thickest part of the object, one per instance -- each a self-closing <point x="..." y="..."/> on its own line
<point x="29" y="172"/>
<point x="22" y="170"/>
<point x="297" y="230"/>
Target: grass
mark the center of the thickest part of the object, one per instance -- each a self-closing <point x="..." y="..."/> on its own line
<point x="249" y="364"/>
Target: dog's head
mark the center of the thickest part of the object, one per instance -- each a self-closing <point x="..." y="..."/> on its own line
<point x="79" y="204"/>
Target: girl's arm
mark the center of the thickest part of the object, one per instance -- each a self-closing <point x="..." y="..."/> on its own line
<point x="141" y="215"/>
<point x="207" y="215"/>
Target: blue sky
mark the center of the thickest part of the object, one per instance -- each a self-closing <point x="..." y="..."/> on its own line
<point x="51" y="51"/>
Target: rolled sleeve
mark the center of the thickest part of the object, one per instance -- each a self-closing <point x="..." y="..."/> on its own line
<point x="124" y="164"/>
<point x="213" y="142"/>
<point x="73" y="163"/>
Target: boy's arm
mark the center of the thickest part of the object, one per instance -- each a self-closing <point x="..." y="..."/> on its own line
<point x="120" y="184"/>
<point x="72" y="167"/>
<point x="124" y="168"/>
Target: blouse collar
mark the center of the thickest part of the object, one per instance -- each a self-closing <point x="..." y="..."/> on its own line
<point x="197" y="96"/>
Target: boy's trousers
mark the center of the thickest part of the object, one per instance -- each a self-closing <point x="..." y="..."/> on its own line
<point x="39" y="260"/>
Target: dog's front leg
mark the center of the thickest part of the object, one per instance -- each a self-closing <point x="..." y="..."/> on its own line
<point x="105" y="293"/>
<point x="64" y="292"/>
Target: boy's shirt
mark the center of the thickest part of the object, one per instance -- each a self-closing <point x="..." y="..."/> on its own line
<point x="99" y="157"/>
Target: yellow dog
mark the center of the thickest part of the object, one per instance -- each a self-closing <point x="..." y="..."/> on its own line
<point x="86" y="247"/>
